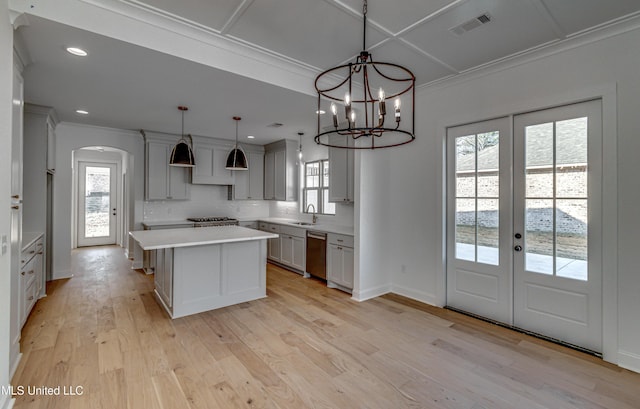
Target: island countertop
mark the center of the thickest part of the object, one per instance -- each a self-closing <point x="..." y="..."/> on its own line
<point x="187" y="237"/>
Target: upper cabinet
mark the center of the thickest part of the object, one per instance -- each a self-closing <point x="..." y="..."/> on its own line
<point x="341" y="169"/>
<point x="38" y="132"/>
<point x="280" y="171"/>
<point x="163" y="182"/>
<point x="211" y="158"/>
<point x="249" y="184"/>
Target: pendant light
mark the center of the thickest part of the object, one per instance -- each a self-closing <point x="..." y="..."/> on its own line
<point x="300" y="134"/>
<point x="182" y="154"/>
<point x="237" y="160"/>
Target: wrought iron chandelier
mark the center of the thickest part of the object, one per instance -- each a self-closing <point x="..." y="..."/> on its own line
<point x="362" y="89"/>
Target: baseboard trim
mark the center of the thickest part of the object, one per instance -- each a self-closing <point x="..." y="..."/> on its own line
<point x="363" y="295"/>
<point x="629" y="360"/>
<point x="415" y="295"/>
<point x="6" y="402"/>
<point x="14" y="368"/>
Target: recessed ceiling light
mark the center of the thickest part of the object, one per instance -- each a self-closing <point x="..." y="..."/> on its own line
<point x="77" y="51"/>
<point x="251" y="137"/>
<point x="82" y="112"/>
<point x="321" y="112"/>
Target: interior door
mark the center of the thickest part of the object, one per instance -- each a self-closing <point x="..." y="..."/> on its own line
<point x="479" y="260"/>
<point x="557" y="225"/>
<point x="97" y="207"/>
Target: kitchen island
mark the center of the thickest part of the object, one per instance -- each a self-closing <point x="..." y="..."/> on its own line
<point x="201" y="269"/>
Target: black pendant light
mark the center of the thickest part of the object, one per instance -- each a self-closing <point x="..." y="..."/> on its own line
<point x="182" y="154"/>
<point x="237" y="160"/>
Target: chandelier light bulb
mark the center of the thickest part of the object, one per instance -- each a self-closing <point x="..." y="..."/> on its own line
<point x="381" y="95"/>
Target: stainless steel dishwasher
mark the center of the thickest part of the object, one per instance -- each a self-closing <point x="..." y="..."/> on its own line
<point x="317" y="254"/>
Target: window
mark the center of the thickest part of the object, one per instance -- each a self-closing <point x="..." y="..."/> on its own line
<point x="316" y="188"/>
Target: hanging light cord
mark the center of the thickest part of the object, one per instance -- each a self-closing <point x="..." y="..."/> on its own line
<point x="364" y="28"/>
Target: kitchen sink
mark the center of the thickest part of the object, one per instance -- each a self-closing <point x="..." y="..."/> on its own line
<point x="302" y="223"/>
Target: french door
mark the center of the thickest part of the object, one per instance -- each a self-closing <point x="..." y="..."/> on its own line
<point x="524" y="222"/>
<point x="97" y="211"/>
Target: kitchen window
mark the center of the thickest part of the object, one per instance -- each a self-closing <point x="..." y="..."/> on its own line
<point x="316" y="188"/>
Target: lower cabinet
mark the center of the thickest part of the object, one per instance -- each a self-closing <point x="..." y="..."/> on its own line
<point x="289" y="249"/>
<point x="340" y="261"/>
<point x="292" y="251"/>
<point x="31" y="278"/>
<point x="163" y="276"/>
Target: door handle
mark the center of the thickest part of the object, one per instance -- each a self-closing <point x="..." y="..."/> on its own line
<point x="518" y="248"/>
<point x="518" y="236"/>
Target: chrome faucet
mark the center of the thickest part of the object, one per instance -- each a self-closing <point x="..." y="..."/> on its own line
<point x="314" y="219"/>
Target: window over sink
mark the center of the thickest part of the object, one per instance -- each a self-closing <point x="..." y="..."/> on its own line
<point x="316" y="188"/>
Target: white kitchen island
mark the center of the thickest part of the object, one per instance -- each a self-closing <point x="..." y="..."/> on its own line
<point x="201" y="269"/>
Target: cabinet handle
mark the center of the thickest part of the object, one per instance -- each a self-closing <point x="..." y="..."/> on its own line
<point x="40" y="252"/>
<point x="22" y="273"/>
<point x="339" y="248"/>
<point x="340" y="241"/>
<point x="31" y="298"/>
<point x="15" y="207"/>
<point x="31" y="271"/>
<point x="15" y="197"/>
<point x="32" y="251"/>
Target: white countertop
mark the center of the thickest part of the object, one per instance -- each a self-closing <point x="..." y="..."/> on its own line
<point x="324" y="227"/>
<point x="190" y="236"/>
<point x="29" y="237"/>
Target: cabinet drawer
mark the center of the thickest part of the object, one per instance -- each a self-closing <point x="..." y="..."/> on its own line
<point x="263" y="226"/>
<point x="293" y="231"/>
<point x="29" y="252"/>
<point x="340" y="240"/>
<point x="273" y="228"/>
<point x="30" y="298"/>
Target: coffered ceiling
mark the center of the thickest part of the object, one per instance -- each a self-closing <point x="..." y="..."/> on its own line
<point x="134" y="87"/>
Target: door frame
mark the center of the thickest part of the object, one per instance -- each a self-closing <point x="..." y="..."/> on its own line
<point x="94" y="156"/>
<point x="607" y="92"/>
<point x="114" y="196"/>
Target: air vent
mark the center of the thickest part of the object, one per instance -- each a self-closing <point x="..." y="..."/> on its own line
<point x="471" y="24"/>
<point x="275" y="125"/>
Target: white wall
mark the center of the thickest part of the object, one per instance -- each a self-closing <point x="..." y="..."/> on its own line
<point x="69" y="137"/>
<point x="6" y="90"/>
<point x="372" y="227"/>
<point x="413" y="236"/>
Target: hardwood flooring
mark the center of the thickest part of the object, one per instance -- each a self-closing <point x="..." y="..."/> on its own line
<point x="304" y="346"/>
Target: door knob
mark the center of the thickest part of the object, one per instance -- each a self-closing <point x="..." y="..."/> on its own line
<point x="518" y="248"/>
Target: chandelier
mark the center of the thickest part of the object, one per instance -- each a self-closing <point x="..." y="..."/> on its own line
<point x="358" y="93"/>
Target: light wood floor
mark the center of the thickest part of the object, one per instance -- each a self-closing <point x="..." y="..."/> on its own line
<point x="303" y="346"/>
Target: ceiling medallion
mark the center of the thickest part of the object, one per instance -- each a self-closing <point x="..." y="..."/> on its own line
<point x="361" y="89"/>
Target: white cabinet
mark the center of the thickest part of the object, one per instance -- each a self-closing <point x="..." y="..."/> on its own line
<point x="163" y="276"/>
<point x="249" y="184"/>
<point x="340" y="261"/>
<point x="211" y="158"/>
<point x="163" y="182"/>
<point x="293" y="247"/>
<point x="31" y="280"/>
<point x="341" y="169"/>
<point x="280" y="171"/>
<point x="269" y="175"/>
<point x="289" y="249"/>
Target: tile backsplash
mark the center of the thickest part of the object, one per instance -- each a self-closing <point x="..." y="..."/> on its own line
<point x="206" y="200"/>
